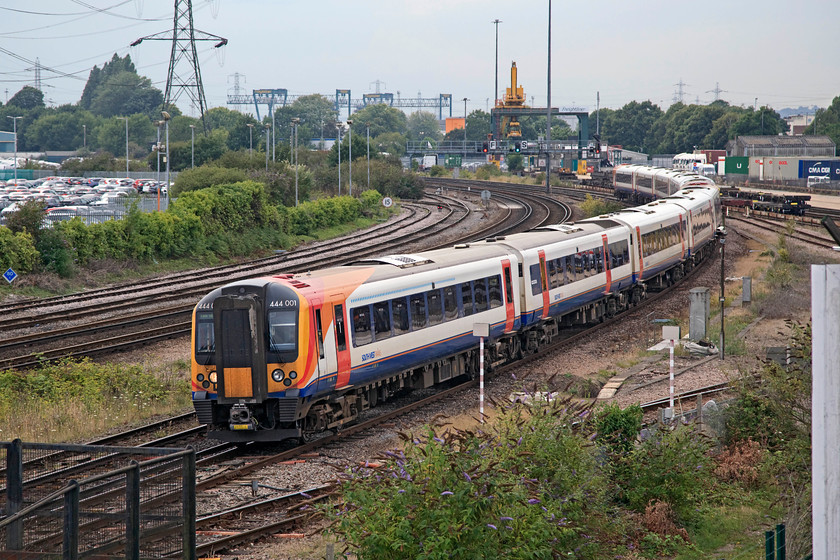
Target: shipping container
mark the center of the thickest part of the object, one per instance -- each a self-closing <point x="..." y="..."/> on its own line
<point x="820" y="168"/>
<point x="737" y="165"/>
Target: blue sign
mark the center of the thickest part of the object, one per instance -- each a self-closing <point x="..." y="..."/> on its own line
<point x="10" y="275"/>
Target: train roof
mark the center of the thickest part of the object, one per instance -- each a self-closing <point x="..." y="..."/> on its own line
<point x="384" y="267"/>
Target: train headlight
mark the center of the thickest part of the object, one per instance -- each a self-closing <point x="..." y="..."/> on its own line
<point x="277" y="375"/>
<point x="292" y="375"/>
<point x="212" y="377"/>
<point x="287" y="382"/>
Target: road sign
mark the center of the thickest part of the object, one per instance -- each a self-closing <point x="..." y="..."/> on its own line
<point x="387" y="202"/>
<point x="10" y="275"/>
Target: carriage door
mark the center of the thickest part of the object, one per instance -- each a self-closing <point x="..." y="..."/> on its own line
<point x="341" y="347"/>
<point x="510" y="309"/>
<point x="607" y="262"/>
<point x="543" y="283"/>
<point x="318" y="323"/>
<point x="240" y="349"/>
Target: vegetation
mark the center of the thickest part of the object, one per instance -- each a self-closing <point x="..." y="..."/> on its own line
<point x="73" y="401"/>
<point x="592" y="206"/>
<point x="557" y="479"/>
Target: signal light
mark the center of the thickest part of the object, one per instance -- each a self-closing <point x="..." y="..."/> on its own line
<point x="517" y="147"/>
<point x="484" y="147"/>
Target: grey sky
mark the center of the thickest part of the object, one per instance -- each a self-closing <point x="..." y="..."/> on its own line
<point x="783" y="53"/>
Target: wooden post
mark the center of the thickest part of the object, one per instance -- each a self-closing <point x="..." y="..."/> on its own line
<point x="825" y="410"/>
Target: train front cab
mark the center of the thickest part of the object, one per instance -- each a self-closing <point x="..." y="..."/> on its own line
<point x="249" y="361"/>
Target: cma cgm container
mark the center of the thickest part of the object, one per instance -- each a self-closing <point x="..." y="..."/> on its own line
<point x="820" y="168"/>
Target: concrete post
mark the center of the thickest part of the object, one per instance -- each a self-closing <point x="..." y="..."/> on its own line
<point x="698" y="322"/>
<point x="746" y="291"/>
<point x="825" y="410"/>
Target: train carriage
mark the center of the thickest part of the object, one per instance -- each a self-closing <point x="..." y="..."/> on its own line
<point x="644" y="183"/>
<point x="286" y="356"/>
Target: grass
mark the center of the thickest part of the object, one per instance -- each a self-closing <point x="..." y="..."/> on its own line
<point x="77" y="400"/>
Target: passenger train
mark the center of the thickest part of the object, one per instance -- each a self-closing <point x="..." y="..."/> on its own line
<point x="288" y="356"/>
<point x="640" y="183"/>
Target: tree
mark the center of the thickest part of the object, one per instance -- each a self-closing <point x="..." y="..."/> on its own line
<point x="126" y="93"/>
<point x="317" y="118"/>
<point x="424" y="126"/>
<point x="27" y="98"/>
<point x="141" y="136"/>
<point x="62" y="129"/>
<point x="827" y="121"/>
<point x="382" y="119"/>
<point x="98" y="77"/>
<point x="235" y="123"/>
<point x="764" y="122"/>
<point x="629" y="126"/>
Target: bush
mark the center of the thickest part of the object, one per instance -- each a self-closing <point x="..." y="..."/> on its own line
<point x="17" y="251"/>
<point x="596" y="206"/>
<point x="525" y="490"/>
<point x="617" y="428"/>
<point x="437" y="171"/>
<point x="56" y="253"/>
<point x="204" y="177"/>
<point x="672" y="466"/>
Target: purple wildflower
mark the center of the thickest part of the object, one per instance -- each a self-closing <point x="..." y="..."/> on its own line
<point x="506" y="519"/>
<point x="492" y="526"/>
<point x="446" y="493"/>
<point x="467" y="476"/>
<point x="533" y="501"/>
<point x="305" y="495"/>
<point x="400" y="491"/>
<point x="437" y="439"/>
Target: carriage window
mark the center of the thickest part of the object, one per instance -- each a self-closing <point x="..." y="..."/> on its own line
<point x="570" y="269"/>
<point x="599" y="259"/>
<point x="320" y="328"/>
<point x="509" y="284"/>
<point x="340" y="335"/>
<point x="495" y="290"/>
<point x="361" y="326"/>
<point x="480" y="287"/>
<point x="282" y="330"/>
<point x="418" y="311"/>
<point x="205" y="340"/>
<point x="381" y="320"/>
<point x="399" y="307"/>
<point x="450" y="303"/>
<point x="535" y="279"/>
<point x="435" y="304"/>
<point x="466" y="298"/>
<point x="552" y="274"/>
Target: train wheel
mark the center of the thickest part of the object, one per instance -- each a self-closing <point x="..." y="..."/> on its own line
<point x="514" y="349"/>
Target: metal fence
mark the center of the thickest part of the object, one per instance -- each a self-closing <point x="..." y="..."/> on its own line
<point x="71" y="501"/>
<point x="95" y="214"/>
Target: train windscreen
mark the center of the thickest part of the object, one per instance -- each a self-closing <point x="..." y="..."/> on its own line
<point x="205" y="339"/>
<point x="282" y="330"/>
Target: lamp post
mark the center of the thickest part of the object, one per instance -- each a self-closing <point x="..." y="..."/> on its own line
<point x="496" y="22"/>
<point x="350" y="156"/>
<point x="126" y="144"/>
<point x="548" y="111"/>
<point x="84" y="136"/>
<point x="267" y="145"/>
<point x="465" y="128"/>
<point x="295" y="122"/>
<point x="251" y="136"/>
<point x="192" y="145"/>
<point x="166" y="116"/>
<point x="14" y="127"/>
<point x="721" y="235"/>
<point x="367" y="131"/>
<point x="273" y="136"/>
<point x="339" y="126"/>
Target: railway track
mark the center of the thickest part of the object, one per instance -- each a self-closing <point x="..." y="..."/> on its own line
<point x="780" y="228"/>
<point x="143" y="327"/>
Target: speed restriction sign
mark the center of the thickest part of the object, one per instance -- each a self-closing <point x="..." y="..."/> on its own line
<point x="387" y="202"/>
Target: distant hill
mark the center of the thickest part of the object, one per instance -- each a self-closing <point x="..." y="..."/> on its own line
<point x="787" y="111"/>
